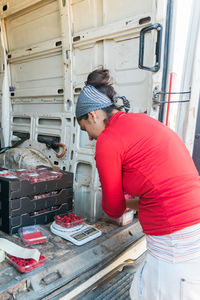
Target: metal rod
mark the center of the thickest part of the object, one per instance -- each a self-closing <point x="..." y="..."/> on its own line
<point x="174" y="93"/>
<point x="172" y="101"/>
<point x="168" y="25"/>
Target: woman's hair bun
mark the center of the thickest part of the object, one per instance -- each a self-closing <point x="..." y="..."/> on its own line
<point x="102" y="81"/>
<point x="99" y="78"/>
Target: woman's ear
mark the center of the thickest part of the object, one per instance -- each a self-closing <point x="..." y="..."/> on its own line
<point x="93" y="116"/>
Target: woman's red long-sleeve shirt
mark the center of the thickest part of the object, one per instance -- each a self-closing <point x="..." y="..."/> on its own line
<point x="142" y="157"/>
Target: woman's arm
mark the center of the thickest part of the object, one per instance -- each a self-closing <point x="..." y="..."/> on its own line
<point x="132" y="203"/>
<point x="109" y="165"/>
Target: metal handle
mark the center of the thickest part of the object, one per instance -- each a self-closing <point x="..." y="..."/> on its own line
<point x="156" y="67"/>
<point x="50" y="278"/>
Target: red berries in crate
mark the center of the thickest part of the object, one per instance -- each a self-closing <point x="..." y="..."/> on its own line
<point x="69" y="220"/>
<point x="6" y="173"/>
<point x="26" y="265"/>
<point x="33" y="175"/>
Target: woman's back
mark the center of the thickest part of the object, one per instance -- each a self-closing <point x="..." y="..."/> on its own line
<point x="157" y="167"/>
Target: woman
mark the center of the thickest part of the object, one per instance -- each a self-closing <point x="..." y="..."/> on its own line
<point x="138" y="155"/>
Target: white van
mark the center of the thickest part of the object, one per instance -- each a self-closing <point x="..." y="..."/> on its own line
<point x="47" y="49"/>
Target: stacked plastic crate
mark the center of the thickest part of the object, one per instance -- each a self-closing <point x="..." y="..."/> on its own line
<point x="29" y="197"/>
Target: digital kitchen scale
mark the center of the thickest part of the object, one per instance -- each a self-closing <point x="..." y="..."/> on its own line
<point x="78" y="235"/>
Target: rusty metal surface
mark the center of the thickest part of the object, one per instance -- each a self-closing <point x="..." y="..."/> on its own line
<point x="67" y="265"/>
<point x="23" y="158"/>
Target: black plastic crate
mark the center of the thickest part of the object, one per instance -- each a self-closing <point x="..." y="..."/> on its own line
<point x="12" y="224"/>
<point x="20" y="204"/>
<point x="17" y="207"/>
<point x="14" y="188"/>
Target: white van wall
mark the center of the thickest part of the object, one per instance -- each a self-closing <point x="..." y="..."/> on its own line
<point x="52" y="46"/>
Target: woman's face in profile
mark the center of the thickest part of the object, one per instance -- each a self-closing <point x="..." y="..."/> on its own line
<point x="94" y="125"/>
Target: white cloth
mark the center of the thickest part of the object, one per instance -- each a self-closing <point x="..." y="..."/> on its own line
<point x="180" y="246"/>
<point x="15" y="250"/>
<point x="158" y="278"/>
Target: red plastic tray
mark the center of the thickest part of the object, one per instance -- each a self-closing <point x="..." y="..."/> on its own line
<point x="68" y="221"/>
<point x="35" y="234"/>
<point x="26" y="265"/>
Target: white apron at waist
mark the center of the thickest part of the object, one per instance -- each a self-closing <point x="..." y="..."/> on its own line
<point x="179" y="246"/>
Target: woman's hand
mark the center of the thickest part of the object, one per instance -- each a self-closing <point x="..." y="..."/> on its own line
<point x="133" y="203"/>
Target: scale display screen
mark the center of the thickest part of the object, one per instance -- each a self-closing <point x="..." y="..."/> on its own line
<point x="90" y="231"/>
<point x="79" y="236"/>
<point x="84" y="234"/>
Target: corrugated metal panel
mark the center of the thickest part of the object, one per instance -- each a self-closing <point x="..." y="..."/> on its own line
<point x="116" y="287"/>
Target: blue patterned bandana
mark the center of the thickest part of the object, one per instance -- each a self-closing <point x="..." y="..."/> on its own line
<point x="91" y="99"/>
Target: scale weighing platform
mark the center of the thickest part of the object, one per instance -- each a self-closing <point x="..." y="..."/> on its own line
<point x="78" y="235"/>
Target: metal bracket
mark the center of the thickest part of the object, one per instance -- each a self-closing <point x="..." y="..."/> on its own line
<point x="157" y="94"/>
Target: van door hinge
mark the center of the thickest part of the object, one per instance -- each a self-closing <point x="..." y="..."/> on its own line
<point x="159" y="95"/>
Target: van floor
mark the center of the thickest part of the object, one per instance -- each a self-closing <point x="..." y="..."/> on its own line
<point x="115" y="287"/>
